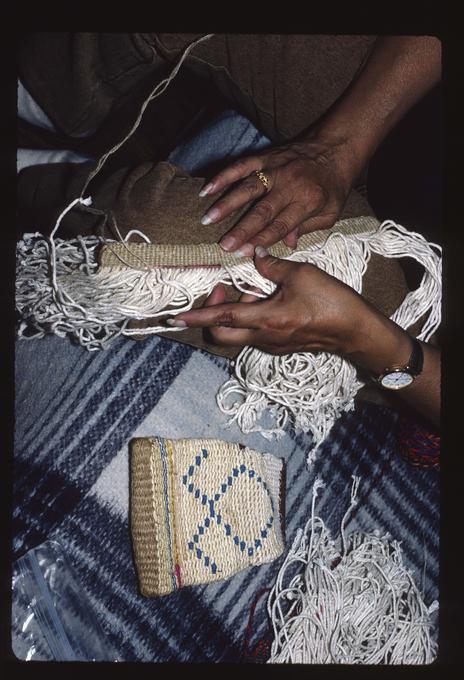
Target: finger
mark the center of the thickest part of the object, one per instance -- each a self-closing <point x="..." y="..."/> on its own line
<point x="291" y="223"/>
<point x="250" y="189"/>
<point x="250" y="297"/>
<point x="231" y="314"/>
<point x="291" y="240"/>
<point x="325" y="221"/>
<point x="240" y="169"/>
<point x="231" y="337"/>
<point x="280" y="227"/>
<point x="244" y="236"/>
<point x="216" y="297"/>
<point x="239" y="337"/>
<point x="273" y="268"/>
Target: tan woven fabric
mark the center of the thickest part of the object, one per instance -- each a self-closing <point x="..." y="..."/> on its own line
<point x="202" y="510"/>
<point x="384" y="284"/>
<point x="143" y="255"/>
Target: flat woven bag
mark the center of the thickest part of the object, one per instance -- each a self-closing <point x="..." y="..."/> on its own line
<point x="202" y="510"/>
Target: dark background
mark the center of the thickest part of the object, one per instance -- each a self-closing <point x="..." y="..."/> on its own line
<point x="405" y="179"/>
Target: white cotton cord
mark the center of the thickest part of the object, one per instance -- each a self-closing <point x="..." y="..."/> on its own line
<point x="156" y="92"/>
<point x="312" y="390"/>
<point x="60" y="289"/>
<point x="77" y="201"/>
<point x="137" y="233"/>
<point x="62" y="297"/>
<point x="84" y="201"/>
<point x="58" y="311"/>
<point x="345" y="518"/>
<point x="286" y="383"/>
<point x="124" y="242"/>
<point x="305" y="390"/>
<point x="63" y="300"/>
<point x="96" y="307"/>
<point x="359" y="605"/>
<point x="42" y="266"/>
<point x="394" y="241"/>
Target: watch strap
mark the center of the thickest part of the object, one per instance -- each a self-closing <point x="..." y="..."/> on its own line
<point x="416" y="360"/>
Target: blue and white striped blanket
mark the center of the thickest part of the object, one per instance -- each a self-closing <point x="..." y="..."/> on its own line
<point x="75" y="414"/>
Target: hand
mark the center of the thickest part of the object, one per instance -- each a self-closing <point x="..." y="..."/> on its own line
<point x="309" y="180"/>
<point x="308" y="185"/>
<point x="308" y="311"/>
<point x="311" y="311"/>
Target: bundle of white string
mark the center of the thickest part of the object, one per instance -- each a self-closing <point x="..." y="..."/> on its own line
<point x="312" y="389"/>
<point x="61" y="290"/>
<point x="355" y="605"/>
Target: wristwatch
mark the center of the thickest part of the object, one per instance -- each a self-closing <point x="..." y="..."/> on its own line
<point x="397" y="377"/>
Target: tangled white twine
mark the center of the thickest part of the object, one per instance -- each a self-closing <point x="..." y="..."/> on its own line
<point x="95" y="305"/>
<point x="61" y="290"/>
<point x="312" y="390"/>
<point x="354" y="605"/>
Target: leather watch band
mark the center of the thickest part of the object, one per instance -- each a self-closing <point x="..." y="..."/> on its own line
<point x="416" y="360"/>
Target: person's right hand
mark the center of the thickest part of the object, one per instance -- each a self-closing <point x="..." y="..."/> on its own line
<point x="309" y="311"/>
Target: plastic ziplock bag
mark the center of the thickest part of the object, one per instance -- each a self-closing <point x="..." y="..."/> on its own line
<point x="52" y="618"/>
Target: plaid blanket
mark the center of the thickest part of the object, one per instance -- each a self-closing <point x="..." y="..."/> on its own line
<point x="75" y="415"/>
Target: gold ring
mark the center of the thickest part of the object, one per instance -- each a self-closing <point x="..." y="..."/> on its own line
<point x="262" y="178"/>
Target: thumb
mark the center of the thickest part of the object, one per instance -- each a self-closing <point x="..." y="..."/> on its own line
<point x="272" y="268"/>
<point x="216" y="297"/>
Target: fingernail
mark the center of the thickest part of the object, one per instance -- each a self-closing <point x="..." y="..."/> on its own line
<point x="205" y="191"/>
<point x="260" y="251"/>
<point x="228" y="243"/>
<point x="246" y="250"/>
<point x="210" y="216"/>
<point x="176" y="322"/>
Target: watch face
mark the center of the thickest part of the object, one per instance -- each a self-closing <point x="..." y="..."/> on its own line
<point x="396" y="380"/>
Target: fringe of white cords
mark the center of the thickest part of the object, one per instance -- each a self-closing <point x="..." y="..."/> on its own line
<point x="62" y="290"/>
<point x="357" y="604"/>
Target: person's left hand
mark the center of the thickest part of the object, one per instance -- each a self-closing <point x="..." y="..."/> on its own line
<point x="308" y="184"/>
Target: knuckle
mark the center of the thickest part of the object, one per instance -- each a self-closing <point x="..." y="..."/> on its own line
<point x="251" y="189"/>
<point x="264" y="210"/>
<point x="318" y="222"/>
<point x="225" y="318"/>
<point x="317" y="196"/>
<point x="280" y="227"/>
<point x="221" y="205"/>
<point x="282" y="324"/>
<point x="241" y="234"/>
<point x="302" y="272"/>
<point x="241" y="164"/>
